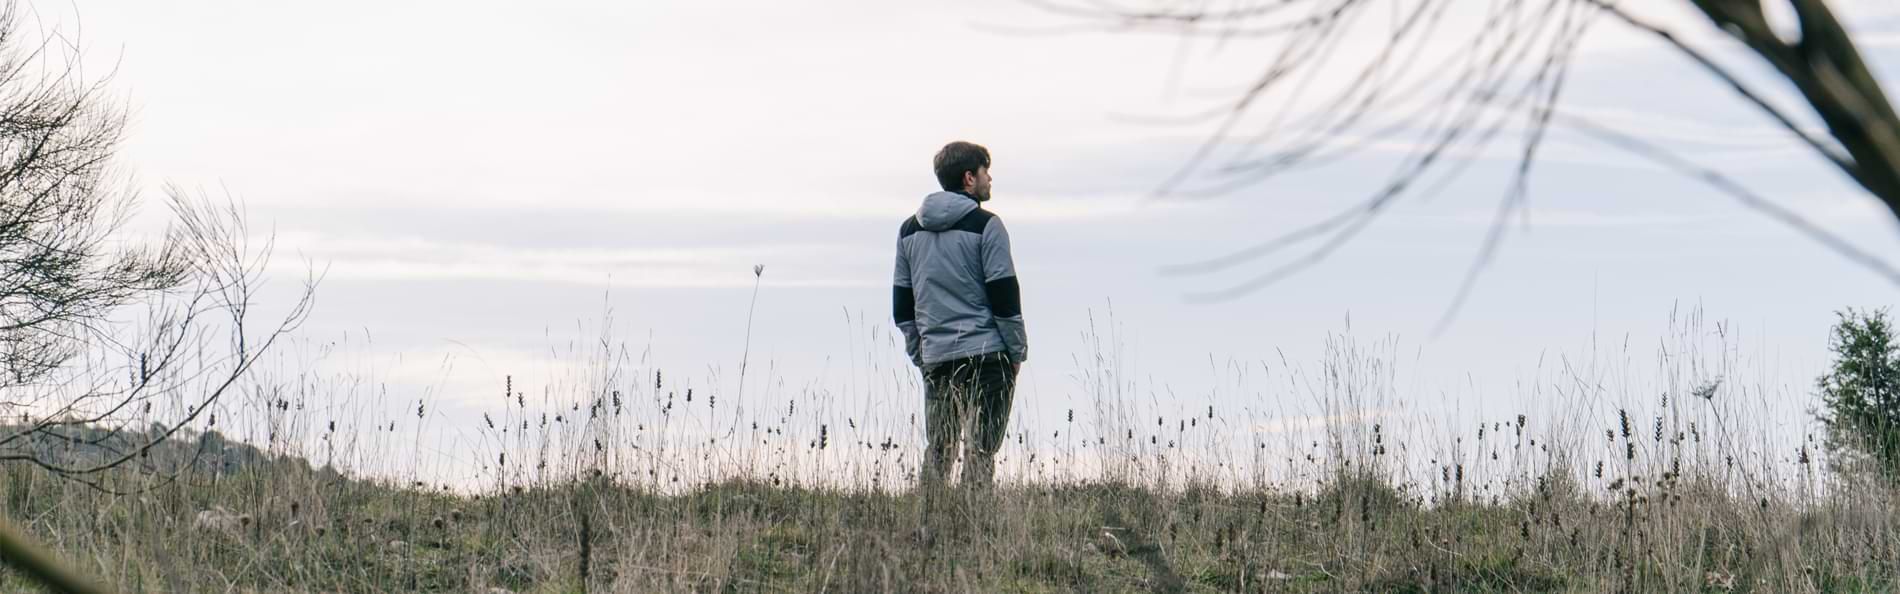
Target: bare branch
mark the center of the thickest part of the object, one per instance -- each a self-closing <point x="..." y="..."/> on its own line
<point x="1512" y="65"/>
<point x="1827" y="150"/>
<point x="1735" y="189"/>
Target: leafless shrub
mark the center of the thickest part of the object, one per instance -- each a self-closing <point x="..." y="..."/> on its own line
<point x="108" y="346"/>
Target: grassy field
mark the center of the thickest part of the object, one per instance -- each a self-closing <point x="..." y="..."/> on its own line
<point x="293" y="529"/>
<point x="606" y="491"/>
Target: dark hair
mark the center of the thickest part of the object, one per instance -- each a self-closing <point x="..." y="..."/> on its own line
<point x="957" y="158"/>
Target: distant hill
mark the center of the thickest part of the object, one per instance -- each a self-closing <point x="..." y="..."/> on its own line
<point x="90" y="445"/>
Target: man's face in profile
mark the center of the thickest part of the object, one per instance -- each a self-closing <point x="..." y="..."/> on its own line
<point x="979" y="183"/>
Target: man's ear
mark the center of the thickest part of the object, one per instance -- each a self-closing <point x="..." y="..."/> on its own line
<point x="969" y="180"/>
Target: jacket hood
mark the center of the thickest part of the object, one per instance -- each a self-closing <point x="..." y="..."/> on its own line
<point x="941" y="210"/>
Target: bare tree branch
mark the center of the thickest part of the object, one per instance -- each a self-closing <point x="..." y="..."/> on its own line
<point x="1827" y="150"/>
<point x="1510" y="65"/>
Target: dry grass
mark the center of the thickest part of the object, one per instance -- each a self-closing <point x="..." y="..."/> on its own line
<point x="658" y="492"/>
<point x="1357" y="534"/>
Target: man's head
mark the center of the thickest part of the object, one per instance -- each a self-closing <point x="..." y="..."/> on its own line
<point x="964" y="167"/>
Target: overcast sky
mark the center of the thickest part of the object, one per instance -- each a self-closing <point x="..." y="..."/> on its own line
<point x="481" y="181"/>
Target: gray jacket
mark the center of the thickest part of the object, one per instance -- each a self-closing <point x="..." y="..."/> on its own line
<point x="955" y="293"/>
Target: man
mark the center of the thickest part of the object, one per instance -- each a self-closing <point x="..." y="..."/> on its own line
<point x="958" y="304"/>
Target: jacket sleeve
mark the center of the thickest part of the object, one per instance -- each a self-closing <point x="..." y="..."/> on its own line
<point x="904" y="307"/>
<point x="1004" y="293"/>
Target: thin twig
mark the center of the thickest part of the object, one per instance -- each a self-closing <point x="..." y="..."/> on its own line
<point x="1736" y="190"/>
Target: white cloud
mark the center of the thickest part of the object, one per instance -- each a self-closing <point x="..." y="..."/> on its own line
<point x="412" y="258"/>
<point x="1539" y="217"/>
<point x="1299" y="424"/>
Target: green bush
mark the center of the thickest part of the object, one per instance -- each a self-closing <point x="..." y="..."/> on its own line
<point x="1861" y="393"/>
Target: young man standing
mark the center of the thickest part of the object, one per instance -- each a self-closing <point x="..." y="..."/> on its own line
<point x="956" y="299"/>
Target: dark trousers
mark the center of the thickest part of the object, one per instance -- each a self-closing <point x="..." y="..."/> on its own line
<point x="973" y="392"/>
